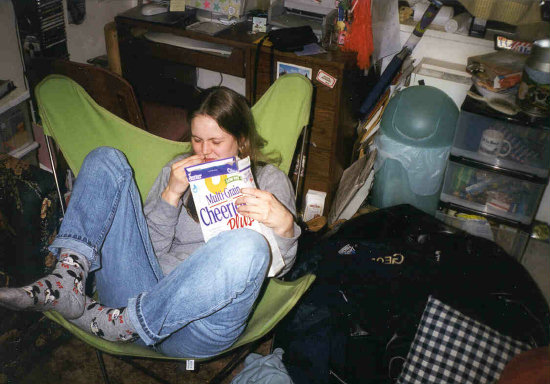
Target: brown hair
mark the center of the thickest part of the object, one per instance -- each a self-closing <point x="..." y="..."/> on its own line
<point x="232" y="113"/>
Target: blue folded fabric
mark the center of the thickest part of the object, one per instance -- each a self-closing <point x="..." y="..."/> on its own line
<point x="263" y="370"/>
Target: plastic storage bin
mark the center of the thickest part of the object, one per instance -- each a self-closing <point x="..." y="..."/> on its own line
<point x="514" y="197"/>
<point x="512" y="239"/>
<point x="15" y="122"/>
<point x="500" y="141"/>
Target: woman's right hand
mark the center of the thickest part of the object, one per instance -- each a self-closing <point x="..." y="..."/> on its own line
<point x="178" y="183"/>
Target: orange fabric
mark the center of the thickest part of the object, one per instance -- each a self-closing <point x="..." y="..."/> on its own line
<point x="359" y="37"/>
<point x="530" y="367"/>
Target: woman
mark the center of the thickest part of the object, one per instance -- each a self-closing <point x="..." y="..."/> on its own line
<point x="158" y="282"/>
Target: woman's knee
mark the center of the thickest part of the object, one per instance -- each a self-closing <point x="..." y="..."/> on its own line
<point x="107" y="158"/>
<point x="246" y="249"/>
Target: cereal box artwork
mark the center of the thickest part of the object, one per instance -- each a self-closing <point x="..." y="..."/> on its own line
<point x="215" y="186"/>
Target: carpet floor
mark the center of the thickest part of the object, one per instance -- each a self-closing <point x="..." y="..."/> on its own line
<point x="75" y="362"/>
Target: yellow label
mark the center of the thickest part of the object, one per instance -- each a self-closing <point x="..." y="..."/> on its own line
<point x="216" y="184"/>
<point x="177" y="5"/>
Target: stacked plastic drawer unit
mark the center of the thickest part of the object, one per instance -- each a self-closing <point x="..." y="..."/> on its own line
<point x="498" y="167"/>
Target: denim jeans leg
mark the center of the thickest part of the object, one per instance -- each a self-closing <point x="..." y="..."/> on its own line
<point x="105" y="222"/>
<point x="202" y="306"/>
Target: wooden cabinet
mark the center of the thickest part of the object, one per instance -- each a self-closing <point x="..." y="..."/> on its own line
<point x="332" y="127"/>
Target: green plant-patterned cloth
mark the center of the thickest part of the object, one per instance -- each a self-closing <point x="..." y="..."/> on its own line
<point x="30" y="215"/>
<point x="29" y="218"/>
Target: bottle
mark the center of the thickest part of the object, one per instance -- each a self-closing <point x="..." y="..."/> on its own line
<point x="534" y="90"/>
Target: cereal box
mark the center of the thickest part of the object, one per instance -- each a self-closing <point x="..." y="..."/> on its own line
<point x="215" y="185"/>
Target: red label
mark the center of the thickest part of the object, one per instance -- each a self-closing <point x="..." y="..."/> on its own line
<point x="326" y="79"/>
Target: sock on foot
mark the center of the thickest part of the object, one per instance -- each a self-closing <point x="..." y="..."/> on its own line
<point x="62" y="290"/>
<point x="108" y="323"/>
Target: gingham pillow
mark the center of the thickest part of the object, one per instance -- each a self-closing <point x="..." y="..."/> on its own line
<point x="450" y="347"/>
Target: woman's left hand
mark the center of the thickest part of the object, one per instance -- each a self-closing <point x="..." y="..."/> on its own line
<point x="265" y="208"/>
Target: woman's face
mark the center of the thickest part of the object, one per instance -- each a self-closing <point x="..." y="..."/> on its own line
<point x="210" y="140"/>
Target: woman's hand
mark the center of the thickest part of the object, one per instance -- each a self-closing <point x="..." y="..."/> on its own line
<point x="178" y="183"/>
<point x="265" y="208"/>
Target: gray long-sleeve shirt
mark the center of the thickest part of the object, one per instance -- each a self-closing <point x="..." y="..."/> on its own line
<point x="175" y="235"/>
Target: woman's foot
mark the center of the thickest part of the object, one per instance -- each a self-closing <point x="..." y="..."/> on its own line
<point x="62" y="290"/>
<point x="108" y="323"/>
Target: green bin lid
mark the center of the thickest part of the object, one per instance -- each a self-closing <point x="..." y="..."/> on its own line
<point x="420" y="116"/>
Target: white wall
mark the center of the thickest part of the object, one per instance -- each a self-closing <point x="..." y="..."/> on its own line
<point x="11" y="67"/>
<point x="86" y="40"/>
<point x="445" y="46"/>
<point x="206" y="78"/>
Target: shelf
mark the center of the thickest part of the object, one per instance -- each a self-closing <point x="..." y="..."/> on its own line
<point x="24" y="150"/>
<point x="12" y="99"/>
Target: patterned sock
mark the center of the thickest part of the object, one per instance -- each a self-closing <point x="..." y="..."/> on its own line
<point x="62" y="290"/>
<point x="108" y="323"/>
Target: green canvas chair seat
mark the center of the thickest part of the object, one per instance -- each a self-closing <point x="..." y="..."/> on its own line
<point x="78" y="125"/>
<point x="277" y="300"/>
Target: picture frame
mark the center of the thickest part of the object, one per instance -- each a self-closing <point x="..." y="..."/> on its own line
<point x="284" y="68"/>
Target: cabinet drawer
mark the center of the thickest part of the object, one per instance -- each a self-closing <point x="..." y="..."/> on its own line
<point x="502" y="143"/>
<point x="317" y="173"/>
<point x="317" y="176"/>
<point x="232" y="64"/>
<point x="322" y="130"/>
<point x="492" y="193"/>
<point x="325" y="96"/>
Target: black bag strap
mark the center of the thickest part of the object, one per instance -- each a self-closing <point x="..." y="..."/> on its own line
<point x="272" y="65"/>
<point x="256" y="61"/>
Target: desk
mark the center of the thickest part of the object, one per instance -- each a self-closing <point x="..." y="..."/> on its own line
<point x="332" y="128"/>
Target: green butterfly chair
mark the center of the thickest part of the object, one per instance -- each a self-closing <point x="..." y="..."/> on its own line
<point x="78" y="125"/>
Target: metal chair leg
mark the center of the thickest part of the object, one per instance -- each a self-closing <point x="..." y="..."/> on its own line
<point x="52" y="163"/>
<point x="99" y="355"/>
<point x="301" y="164"/>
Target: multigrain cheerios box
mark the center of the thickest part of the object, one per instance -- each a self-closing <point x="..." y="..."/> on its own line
<point x="215" y="185"/>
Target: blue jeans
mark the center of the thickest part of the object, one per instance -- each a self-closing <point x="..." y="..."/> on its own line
<point x="201" y="307"/>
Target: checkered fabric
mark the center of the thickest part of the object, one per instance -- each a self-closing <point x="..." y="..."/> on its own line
<point x="450" y="347"/>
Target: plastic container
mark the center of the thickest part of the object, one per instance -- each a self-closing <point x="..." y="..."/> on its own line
<point x="534" y="89"/>
<point x="492" y="193"/>
<point x="15" y="123"/>
<point x="523" y="148"/>
<point x="512" y="239"/>
<point x="416" y="132"/>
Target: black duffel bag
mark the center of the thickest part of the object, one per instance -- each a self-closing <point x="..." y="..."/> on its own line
<point x="291" y="39"/>
<point x="374" y="276"/>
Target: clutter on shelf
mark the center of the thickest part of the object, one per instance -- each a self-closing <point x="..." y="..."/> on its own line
<point x="516" y="76"/>
<point x="497" y="71"/>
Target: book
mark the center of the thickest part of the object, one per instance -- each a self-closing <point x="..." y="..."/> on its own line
<point x="215" y="186"/>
